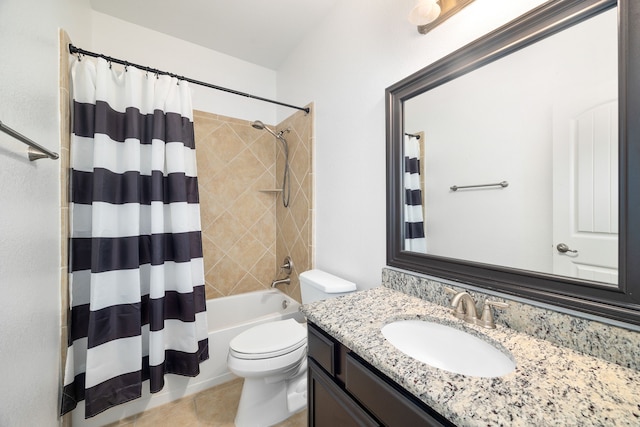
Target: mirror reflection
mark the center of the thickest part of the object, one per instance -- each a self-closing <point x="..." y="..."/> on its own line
<point x="516" y="163"/>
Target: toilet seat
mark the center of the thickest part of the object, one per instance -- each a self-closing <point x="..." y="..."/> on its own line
<point x="269" y="340"/>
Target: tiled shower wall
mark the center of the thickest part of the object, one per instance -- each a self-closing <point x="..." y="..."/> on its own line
<point x="246" y="231"/>
<point x="235" y="164"/>
<point x="294" y="225"/>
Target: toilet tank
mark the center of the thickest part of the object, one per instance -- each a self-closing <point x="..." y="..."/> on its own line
<point x="317" y="285"/>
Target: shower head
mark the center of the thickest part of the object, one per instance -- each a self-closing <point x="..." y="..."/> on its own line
<point x="261" y="126"/>
<point x="258" y="125"/>
<point x="286" y="185"/>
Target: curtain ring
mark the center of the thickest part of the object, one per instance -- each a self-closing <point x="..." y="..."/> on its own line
<point x="126" y="66"/>
<point x="110" y="63"/>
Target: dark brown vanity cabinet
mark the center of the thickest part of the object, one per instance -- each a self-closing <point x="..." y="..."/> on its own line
<point x="344" y="390"/>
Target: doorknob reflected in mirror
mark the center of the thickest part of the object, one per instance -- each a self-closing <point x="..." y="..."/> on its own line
<point x="563" y="248"/>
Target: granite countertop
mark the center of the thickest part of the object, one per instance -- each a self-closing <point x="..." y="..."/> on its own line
<point x="551" y="385"/>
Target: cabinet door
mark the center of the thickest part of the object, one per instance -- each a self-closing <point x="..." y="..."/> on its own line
<point x="330" y="406"/>
<point x="322" y="349"/>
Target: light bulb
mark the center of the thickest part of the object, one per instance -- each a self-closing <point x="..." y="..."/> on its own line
<point x="424" y="12"/>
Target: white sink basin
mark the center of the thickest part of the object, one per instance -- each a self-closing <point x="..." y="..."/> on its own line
<point x="448" y="348"/>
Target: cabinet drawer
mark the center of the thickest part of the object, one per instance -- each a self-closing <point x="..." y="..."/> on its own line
<point x="384" y="401"/>
<point x="321" y="349"/>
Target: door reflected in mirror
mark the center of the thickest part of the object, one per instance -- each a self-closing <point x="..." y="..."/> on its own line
<point x="543" y="121"/>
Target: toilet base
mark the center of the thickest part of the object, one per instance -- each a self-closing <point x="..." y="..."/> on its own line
<point x="264" y="403"/>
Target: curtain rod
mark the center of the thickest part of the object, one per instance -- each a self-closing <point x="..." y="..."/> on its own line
<point x="73" y="49"/>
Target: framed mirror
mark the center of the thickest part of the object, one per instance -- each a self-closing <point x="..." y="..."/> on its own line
<point x="512" y="163"/>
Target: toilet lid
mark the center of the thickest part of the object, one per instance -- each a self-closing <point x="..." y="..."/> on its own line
<point x="269" y="339"/>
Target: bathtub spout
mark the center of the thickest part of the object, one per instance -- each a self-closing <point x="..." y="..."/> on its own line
<point x="278" y="282"/>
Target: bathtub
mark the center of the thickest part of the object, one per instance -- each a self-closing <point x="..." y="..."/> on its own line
<point x="226" y="317"/>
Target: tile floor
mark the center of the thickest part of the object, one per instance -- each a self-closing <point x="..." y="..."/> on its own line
<point x="214" y="407"/>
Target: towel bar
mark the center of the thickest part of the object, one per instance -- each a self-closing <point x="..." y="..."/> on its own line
<point x="497" y="184"/>
<point x="36" y="151"/>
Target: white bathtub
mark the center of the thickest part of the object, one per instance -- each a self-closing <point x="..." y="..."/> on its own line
<point x="226" y="317"/>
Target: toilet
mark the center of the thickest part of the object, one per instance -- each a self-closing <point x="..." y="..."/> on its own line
<point x="272" y="358"/>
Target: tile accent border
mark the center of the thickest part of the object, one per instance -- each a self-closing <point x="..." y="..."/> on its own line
<point x="65" y="138"/>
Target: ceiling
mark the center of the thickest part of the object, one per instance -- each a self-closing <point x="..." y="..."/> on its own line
<point x="258" y="31"/>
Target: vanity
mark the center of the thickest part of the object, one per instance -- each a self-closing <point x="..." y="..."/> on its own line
<point x="356" y="377"/>
<point x="345" y="390"/>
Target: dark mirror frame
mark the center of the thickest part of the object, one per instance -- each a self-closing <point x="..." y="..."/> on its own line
<point x="621" y="302"/>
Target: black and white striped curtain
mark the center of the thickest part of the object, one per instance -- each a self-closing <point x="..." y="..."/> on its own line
<point x="137" y="302"/>
<point x="414" y="238"/>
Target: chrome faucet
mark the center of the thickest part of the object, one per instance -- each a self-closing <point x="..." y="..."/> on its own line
<point x="286" y="267"/>
<point x="280" y="281"/>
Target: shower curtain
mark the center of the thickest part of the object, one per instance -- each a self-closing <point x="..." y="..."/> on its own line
<point x="414" y="238"/>
<point x="137" y="302"/>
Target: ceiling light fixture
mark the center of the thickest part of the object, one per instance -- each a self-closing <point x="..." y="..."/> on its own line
<point x="428" y="14"/>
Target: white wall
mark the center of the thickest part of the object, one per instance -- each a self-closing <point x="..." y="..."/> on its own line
<point x="29" y="208"/>
<point x="359" y="50"/>
<point x="131" y="42"/>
